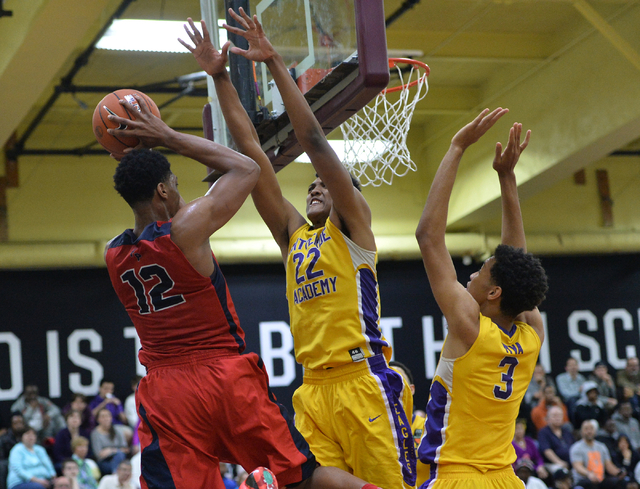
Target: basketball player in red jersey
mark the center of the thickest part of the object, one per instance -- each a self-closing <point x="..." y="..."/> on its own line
<point x="201" y="402"/>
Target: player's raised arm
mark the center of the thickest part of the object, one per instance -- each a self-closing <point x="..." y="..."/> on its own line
<point x="455" y="302"/>
<point x="512" y="226"/>
<point x="196" y="221"/>
<point x="278" y="213"/>
<point x="350" y="211"/>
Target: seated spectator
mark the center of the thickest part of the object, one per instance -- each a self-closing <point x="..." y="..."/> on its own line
<point x="80" y="403"/>
<point x="29" y="464"/>
<point x="136" y="470"/>
<point x="570" y="383"/>
<point x="535" y="391"/>
<point x="627" y="424"/>
<point x="13" y="435"/>
<point x="630" y="376"/>
<point x="62" y="483"/>
<point x="539" y="413"/>
<point x="606" y="385"/>
<point x="109" y="445"/>
<point x="88" y="471"/>
<point x="626" y="458"/>
<point x="39" y="413"/>
<point x="130" y="404"/>
<point x="562" y="479"/>
<point x="229" y="483"/>
<point x="590" y="406"/>
<point x="524" y="470"/>
<point x="106" y="400"/>
<point x="555" y="440"/>
<point x="62" y="445"/>
<point x="608" y="435"/>
<point x="70" y="470"/>
<point x="591" y="462"/>
<point x="120" y="480"/>
<point x="526" y="448"/>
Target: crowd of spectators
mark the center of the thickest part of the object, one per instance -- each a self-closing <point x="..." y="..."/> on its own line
<point x="580" y="430"/>
<point x="88" y="444"/>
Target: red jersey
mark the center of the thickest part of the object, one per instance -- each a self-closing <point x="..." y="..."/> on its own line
<point x="176" y="311"/>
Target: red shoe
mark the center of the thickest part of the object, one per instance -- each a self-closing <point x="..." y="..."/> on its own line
<point x="260" y="478"/>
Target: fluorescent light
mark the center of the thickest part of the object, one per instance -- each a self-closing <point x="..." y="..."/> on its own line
<point x="368" y="150"/>
<point x="150" y="35"/>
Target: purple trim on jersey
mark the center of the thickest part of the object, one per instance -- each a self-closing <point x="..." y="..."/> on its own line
<point x="392" y="385"/>
<point x="220" y="286"/>
<point x="433" y="471"/>
<point x="434" y="424"/>
<point x="149" y="233"/>
<point x="511" y="332"/>
<point x="369" y="297"/>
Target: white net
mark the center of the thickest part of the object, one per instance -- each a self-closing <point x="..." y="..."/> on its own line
<point x="375" y="139"/>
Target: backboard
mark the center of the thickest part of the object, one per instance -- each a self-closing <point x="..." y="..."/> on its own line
<point x="335" y="50"/>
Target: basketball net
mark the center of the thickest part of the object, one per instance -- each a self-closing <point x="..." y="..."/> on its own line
<point x="375" y="138"/>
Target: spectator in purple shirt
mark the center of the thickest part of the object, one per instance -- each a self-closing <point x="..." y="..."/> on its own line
<point x="62" y="445"/>
<point x="554" y="441"/>
<point x="106" y="400"/>
<point x="526" y="448"/>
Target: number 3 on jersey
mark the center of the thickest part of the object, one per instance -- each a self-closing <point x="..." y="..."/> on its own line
<point x="157" y="293"/>
<point x="507" y="379"/>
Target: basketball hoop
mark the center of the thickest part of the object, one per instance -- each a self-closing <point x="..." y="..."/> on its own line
<point x="375" y="139"/>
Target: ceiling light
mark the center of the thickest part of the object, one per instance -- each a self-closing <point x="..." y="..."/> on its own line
<point x="367" y="150"/>
<point x="150" y="35"/>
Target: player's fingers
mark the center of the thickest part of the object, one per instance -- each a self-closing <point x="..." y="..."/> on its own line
<point x="224" y="51"/>
<point x="257" y="22"/>
<point x="246" y="18"/>
<point x="498" y="154"/>
<point x="526" y="140"/>
<point x="142" y="103"/>
<point x="238" y="18"/>
<point x="190" y="34"/>
<point x="188" y="46"/>
<point x="235" y="30"/>
<point x="195" y="30"/>
<point x="205" y="31"/>
<point x="237" y="50"/>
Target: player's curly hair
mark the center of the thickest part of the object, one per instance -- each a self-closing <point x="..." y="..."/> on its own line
<point x="521" y="277"/>
<point x="138" y="174"/>
<point x="354" y="181"/>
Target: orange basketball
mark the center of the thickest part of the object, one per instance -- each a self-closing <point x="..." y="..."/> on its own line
<point x="110" y="105"/>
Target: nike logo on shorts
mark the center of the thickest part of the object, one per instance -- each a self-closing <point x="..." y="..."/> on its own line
<point x="373" y="419"/>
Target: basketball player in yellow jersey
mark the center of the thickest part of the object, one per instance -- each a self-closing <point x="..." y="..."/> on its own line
<point x="350" y="406"/>
<point x="495" y="331"/>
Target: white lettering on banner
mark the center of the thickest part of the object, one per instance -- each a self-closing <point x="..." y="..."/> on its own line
<point x="588" y="342"/>
<point x="15" y="367"/>
<point x="269" y="353"/>
<point x="387" y="325"/>
<point x="53" y="361"/>
<point x="431" y="346"/>
<point x="609" y="321"/>
<point x="130" y="332"/>
<point x="80" y="360"/>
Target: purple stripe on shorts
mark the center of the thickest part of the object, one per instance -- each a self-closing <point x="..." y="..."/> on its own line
<point x="392" y="386"/>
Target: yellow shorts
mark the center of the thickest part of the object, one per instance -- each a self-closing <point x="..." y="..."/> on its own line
<point x="467" y="477"/>
<point x="353" y="418"/>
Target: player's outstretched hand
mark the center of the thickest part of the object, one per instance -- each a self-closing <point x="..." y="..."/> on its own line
<point x="149" y="129"/>
<point x="260" y="49"/>
<point x="473" y="131"/>
<point x="505" y="162"/>
<point x="207" y="56"/>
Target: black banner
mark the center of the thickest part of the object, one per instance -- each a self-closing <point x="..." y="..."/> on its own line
<point x="66" y="330"/>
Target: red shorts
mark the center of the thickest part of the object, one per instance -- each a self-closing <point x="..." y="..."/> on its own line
<point x="206" y="409"/>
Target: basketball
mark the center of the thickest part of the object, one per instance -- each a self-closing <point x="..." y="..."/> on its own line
<point x="110" y="105"/>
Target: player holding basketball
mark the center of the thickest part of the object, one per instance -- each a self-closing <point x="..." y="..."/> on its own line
<point x="201" y="402"/>
<point x="349" y="407"/>
<point x="495" y="330"/>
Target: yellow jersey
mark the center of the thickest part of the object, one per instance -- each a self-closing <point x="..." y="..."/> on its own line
<point x="334" y="302"/>
<point x="475" y="399"/>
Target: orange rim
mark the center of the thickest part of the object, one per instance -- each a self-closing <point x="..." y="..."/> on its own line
<point x="416" y="64"/>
